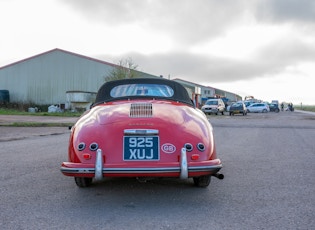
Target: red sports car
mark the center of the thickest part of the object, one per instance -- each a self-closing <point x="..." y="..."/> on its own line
<point x="142" y="128"/>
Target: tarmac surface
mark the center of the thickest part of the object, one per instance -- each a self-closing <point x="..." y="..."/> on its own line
<point x="268" y="163"/>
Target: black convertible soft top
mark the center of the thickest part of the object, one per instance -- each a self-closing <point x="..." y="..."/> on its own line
<point x="180" y="93"/>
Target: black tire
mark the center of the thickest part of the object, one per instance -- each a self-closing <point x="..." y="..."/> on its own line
<point x="202" y="181"/>
<point x="83" y="182"/>
<point x="264" y="111"/>
<point x="222" y="113"/>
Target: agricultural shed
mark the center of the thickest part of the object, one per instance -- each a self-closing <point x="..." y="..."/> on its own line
<point x="45" y="78"/>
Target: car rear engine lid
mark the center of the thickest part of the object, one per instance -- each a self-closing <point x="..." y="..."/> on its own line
<point x="141" y="110"/>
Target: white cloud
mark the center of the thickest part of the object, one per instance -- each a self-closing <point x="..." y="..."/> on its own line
<point x="231" y="43"/>
<point x="242" y="42"/>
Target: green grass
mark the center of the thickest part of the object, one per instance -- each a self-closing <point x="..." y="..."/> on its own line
<point x="310" y="108"/>
<point x="4" y="111"/>
<point x="37" y="124"/>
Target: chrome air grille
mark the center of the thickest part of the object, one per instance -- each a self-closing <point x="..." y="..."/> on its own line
<point x="141" y="110"/>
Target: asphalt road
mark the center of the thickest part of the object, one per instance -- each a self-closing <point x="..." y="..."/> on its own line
<point x="269" y="170"/>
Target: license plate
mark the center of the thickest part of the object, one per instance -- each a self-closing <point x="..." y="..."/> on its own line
<point x="141" y="148"/>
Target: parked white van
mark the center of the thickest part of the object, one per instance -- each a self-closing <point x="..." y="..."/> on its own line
<point x="213" y="106"/>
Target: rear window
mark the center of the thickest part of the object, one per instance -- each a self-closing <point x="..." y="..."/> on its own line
<point x="215" y="102"/>
<point x="237" y="105"/>
<point x="155" y="90"/>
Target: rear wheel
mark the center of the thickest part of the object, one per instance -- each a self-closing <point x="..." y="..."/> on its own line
<point x="202" y="181"/>
<point x="83" y="182"/>
<point x="264" y="111"/>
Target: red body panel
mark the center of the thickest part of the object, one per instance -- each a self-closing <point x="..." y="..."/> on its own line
<point x="177" y="124"/>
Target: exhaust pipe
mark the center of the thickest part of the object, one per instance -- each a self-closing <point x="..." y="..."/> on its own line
<point x="219" y="176"/>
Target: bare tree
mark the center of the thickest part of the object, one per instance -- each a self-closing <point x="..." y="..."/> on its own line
<point x="124" y="69"/>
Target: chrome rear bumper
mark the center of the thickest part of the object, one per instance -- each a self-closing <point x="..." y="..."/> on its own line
<point x="98" y="170"/>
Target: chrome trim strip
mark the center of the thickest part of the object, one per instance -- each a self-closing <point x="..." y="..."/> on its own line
<point x="141" y="132"/>
<point x="99" y="165"/>
<point x="213" y="168"/>
<point x="77" y="170"/>
<point x="121" y="170"/>
<point x="142" y="170"/>
<point x="183" y="164"/>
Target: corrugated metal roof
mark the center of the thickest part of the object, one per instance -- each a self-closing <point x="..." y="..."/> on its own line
<point x="61" y="50"/>
<point x="46" y="77"/>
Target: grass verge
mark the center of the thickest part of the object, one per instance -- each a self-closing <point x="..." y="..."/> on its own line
<point x="310" y="108"/>
<point x="4" y="111"/>
<point x="37" y="124"/>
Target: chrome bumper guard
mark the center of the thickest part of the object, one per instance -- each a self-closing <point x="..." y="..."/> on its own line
<point x="99" y="165"/>
<point x="183" y="164"/>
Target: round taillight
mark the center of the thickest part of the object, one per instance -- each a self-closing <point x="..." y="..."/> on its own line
<point x="201" y="147"/>
<point x="189" y="147"/>
<point x="81" y="146"/>
<point x="93" y="146"/>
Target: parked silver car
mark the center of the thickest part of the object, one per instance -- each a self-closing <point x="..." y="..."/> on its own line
<point x="258" y="108"/>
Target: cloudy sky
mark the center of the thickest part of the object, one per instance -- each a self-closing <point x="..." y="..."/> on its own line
<point x="263" y="48"/>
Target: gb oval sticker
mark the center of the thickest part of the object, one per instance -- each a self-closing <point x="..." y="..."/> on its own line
<point x="168" y="148"/>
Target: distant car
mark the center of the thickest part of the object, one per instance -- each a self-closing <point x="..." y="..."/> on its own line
<point x="238" y="108"/>
<point x="247" y="103"/>
<point x="274" y="107"/>
<point x="258" y="108"/>
<point x="142" y="128"/>
<point x="214" y="106"/>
